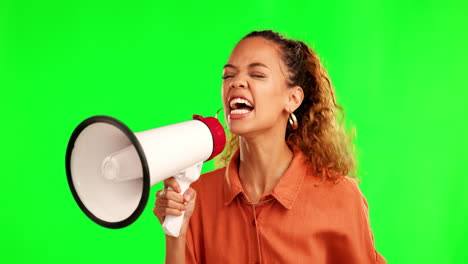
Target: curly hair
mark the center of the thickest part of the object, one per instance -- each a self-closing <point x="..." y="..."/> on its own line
<point x="321" y="135"/>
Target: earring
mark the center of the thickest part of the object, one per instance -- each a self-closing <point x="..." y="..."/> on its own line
<point x="293" y="121"/>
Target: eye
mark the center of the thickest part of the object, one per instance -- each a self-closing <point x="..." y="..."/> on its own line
<point x="256" y="75"/>
<point x="224" y="77"/>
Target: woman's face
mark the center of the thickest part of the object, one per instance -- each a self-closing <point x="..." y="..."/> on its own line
<point x="255" y="94"/>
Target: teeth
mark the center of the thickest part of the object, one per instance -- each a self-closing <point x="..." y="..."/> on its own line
<point x="235" y="101"/>
<point x="239" y="111"/>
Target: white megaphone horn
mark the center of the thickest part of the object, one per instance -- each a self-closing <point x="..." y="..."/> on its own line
<point x="110" y="169"/>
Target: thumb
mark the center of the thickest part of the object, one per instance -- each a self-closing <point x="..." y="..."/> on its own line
<point x="189" y="194"/>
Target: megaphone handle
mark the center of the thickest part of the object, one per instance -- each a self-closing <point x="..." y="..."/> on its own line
<point x="172" y="224"/>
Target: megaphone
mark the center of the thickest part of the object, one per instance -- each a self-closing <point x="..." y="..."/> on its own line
<point x="110" y="169"/>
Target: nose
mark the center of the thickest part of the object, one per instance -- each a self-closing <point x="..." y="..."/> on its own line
<point x="238" y="84"/>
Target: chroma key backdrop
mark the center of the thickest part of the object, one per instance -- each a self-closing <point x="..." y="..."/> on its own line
<point x="399" y="68"/>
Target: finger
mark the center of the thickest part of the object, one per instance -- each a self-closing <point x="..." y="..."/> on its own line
<point x="160" y="193"/>
<point x="172" y="182"/>
<point x="163" y="211"/>
<point x="169" y="194"/>
<point x="172" y="195"/>
<point x="170" y="204"/>
<point x="157" y="202"/>
<point x="157" y="213"/>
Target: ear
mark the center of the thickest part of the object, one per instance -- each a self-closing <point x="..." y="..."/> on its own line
<point x="295" y="97"/>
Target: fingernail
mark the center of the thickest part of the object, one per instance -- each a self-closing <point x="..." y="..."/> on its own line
<point x="187" y="197"/>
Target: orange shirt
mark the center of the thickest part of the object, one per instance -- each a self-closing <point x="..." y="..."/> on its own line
<point x="302" y="220"/>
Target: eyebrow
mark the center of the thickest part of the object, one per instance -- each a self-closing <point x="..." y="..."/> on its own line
<point x="251" y="65"/>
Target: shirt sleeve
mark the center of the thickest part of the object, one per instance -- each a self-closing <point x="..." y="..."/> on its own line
<point x="190" y="256"/>
<point x="379" y="259"/>
<point x="362" y="237"/>
<point x="350" y="239"/>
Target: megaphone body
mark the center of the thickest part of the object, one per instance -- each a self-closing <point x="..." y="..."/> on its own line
<point x="110" y="169"/>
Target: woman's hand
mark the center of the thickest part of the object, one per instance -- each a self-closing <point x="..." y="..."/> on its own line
<point x="172" y="202"/>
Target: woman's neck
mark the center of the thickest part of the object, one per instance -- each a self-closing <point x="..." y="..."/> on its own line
<point x="262" y="162"/>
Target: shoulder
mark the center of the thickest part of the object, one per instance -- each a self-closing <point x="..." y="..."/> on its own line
<point x="349" y="185"/>
<point x="341" y="184"/>
<point x="341" y="193"/>
<point x="350" y="192"/>
<point x="348" y="188"/>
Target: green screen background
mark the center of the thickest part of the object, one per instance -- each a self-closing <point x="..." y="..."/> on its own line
<point x="399" y="68"/>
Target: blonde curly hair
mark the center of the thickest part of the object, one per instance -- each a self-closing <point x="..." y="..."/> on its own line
<point x="321" y="135"/>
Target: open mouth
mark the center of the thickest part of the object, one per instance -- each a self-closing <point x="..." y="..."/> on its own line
<point x="240" y="105"/>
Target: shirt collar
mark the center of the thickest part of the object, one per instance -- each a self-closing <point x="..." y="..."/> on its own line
<point x="285" y="191"/>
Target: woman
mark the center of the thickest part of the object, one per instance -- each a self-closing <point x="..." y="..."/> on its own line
<point x="283" y="197"/>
